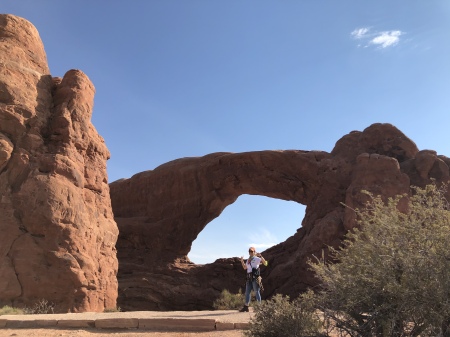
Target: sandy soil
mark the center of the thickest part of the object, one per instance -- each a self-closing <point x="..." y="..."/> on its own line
<point x="112" y="332"/>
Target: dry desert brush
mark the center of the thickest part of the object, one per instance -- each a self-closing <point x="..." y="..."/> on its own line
<point x="7" y="310"/>
<point x="392" y="276"/>
<point x="281" y="317"/>
<point x="229" y="301"/>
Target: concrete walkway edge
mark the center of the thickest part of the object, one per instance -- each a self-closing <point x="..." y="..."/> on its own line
<point x="149" y="320"/>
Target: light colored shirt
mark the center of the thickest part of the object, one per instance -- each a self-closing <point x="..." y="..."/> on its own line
<point x="253" y="262"/>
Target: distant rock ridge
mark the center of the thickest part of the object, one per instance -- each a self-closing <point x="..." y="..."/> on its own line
<point x="161" y="212"/>
<point x="58" y="231"/>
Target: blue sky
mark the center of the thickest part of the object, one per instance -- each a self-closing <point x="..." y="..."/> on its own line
<point x="187" y="78"/>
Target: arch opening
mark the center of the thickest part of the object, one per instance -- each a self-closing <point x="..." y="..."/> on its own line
<point x="252" y="220"/>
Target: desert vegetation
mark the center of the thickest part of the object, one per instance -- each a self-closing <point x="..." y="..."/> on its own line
<point x="40" y="307"/>
<point x="8" y="310"/>
<point x="229" y="301"/>
<point x="390" y="278"/>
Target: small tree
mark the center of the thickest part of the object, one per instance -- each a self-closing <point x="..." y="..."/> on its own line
<point x="392" y="275"/>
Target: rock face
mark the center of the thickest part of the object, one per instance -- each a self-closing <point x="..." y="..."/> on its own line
<point x="161" y="212"/>
<point x="58" y="232"/>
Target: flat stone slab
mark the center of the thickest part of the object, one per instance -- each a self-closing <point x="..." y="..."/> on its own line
<point x="76" y="323"/>
<point x="149" y="320"/>
<point x="117" y="323"/>
<point x="46" y="323"/>
<point x="242" y="326"/>
<point x="178" y="324"/>
<point x="19" y="324"/>
<point x="224" y="326"/>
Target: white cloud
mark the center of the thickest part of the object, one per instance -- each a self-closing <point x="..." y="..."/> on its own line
<point x="264" y="239"/>
<point x="206" y="258"/>
<point x="382" y="39"/>
<point x="359" y="33"/>
<point x="387" y="39"/>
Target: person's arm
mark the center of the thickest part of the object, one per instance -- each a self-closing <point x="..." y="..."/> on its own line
<point x="263" y="260"/>
<point x="243" y="263"/>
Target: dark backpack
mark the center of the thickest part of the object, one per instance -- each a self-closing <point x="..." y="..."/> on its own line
<point x="255" y="272"/>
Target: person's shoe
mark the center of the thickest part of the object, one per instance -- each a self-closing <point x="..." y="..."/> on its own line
<point x="244" y="309"/>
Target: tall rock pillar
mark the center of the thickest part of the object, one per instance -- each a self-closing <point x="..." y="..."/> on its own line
<point x="58" y="234"/>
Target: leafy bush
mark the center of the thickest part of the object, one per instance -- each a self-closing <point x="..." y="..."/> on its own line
<point x="393" y="272"/>
<point x="7" y="310"/>
<point x="229" y="301"/>
<point x="279" y="317"/>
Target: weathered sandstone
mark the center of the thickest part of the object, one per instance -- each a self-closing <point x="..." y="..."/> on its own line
<point x="161" y="212"/>
<point x="58" y="232"/>
<point x="59" y="236"/>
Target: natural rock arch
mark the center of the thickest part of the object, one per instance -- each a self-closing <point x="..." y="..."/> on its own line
<point x="200" y="189"/>
<point x="160" y="212"/>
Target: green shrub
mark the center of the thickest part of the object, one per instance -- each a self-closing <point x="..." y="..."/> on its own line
<point x="7" y="310"/>
<point x="280" y="317"/>
<point x="229" y="301"/>
<point x="393" y="272"/>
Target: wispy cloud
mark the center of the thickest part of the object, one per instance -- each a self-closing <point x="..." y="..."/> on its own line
<point x="207" y="258"/>
<point x="387" y="39"/>
<point x="264" y="239"/>
<point x="382" y="39"/>
<point x="359" y="33"/>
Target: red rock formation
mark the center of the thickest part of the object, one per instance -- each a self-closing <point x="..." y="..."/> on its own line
<point x="161" y="212"/>
<point x="58" y="232"/>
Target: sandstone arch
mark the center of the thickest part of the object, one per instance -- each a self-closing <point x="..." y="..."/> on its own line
<point x="201" y="188"/>
<point x="160" y="212"/>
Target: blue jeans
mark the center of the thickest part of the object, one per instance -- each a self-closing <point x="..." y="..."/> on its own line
<point x="248" y="290"/>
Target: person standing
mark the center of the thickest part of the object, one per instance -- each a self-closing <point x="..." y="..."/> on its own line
<point x="253" y="280"/>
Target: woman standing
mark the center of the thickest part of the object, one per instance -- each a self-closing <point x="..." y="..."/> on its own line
<point x="253" y="280"/>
